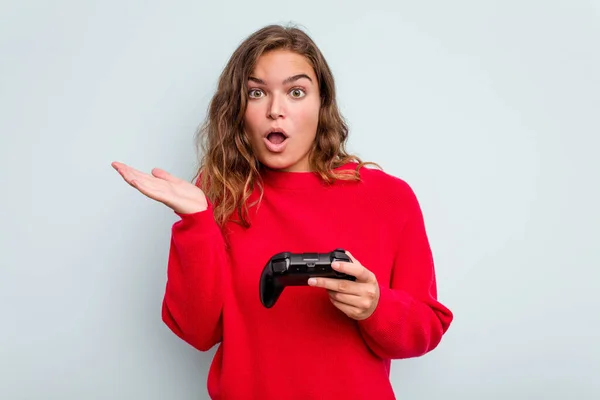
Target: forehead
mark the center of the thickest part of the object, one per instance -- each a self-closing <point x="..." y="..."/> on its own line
<point x="277" y="65"/>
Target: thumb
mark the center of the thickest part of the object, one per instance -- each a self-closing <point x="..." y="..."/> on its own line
<point x="162" y="174"/>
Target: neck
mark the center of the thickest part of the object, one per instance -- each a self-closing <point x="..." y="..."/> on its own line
<point x="295" y="179"/>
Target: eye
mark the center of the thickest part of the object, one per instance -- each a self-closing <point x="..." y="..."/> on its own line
<point x="297" y="93"/>
<point x="255" y="93"/>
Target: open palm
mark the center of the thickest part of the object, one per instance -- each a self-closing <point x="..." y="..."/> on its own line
<point x="179" y="195"/>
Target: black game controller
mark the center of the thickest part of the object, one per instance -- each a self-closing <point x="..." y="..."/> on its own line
<point x="291" y="269"/>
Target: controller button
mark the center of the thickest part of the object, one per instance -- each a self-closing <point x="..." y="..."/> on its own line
<point x="279" y="266"/>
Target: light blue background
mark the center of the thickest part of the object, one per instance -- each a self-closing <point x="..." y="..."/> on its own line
<point x="490" y="110"/>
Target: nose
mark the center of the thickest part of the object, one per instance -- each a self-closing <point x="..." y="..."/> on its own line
<point x="275" y="109"/>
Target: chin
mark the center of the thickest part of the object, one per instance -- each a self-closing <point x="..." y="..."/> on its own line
<point x="280" y="163"/>
<point x="276" y="164"/>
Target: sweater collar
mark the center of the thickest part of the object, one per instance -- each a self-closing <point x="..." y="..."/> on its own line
<point x="297" y="180"/>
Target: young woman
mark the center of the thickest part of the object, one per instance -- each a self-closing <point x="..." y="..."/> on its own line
<point x="275" y="177"/>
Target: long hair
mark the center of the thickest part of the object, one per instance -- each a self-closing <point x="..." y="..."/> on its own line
<point x="229" y="171"/>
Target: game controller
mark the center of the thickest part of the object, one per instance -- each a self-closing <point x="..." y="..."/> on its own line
<point x="294" y="269"/>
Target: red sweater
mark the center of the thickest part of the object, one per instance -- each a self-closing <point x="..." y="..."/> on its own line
<point x="304" y="347"/>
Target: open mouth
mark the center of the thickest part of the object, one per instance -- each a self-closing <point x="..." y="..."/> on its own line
<point x="276" y="137"/>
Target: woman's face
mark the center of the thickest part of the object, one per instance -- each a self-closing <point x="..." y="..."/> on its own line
<point x="283" y="110"/>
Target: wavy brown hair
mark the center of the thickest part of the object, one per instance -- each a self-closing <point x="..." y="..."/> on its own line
<point x="229" y="172"/>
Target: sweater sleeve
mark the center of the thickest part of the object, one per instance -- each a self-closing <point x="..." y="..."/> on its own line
<point x="408" y="321"/>
<point x="197" y="273"/>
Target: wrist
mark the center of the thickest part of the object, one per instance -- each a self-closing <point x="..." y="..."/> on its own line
<point x="192" y="207"/>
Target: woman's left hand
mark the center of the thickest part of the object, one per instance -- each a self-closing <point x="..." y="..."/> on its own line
<point x="357" y="299"/>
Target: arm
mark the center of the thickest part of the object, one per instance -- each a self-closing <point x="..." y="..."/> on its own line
<point x="196" y="275"/>
<point x="408" y="321"/>
<point x="197" y="269"/>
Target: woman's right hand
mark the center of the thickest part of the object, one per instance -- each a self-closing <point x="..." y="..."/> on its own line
<point x="181" y="196"/>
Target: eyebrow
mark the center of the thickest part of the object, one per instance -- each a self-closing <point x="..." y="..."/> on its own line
<point x="286" y="81"/>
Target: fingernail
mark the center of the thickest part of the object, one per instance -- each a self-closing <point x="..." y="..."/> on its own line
<point x="312" y="281"/>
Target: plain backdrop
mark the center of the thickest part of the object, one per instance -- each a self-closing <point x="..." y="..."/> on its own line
<point x="489" y="109"/>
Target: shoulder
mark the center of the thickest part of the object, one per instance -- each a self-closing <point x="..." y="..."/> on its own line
<point x="386" y="194"/>
<point x="385" y="184"/>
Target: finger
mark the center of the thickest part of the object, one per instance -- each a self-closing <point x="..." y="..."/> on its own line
<point x="350" y="311"/>
<point x="125" y="174"/>
<point x="336" y="285"/>
<point x="162" y="174"/>
<point x="349" y="299"/>
<point x="133" y="176"/>
<point x="116" y="165"/>
<point x="124" y="170"/>
<point x="355" y="269"/>
<point x="354" y="260"/>
<point x="119" y="167"/>
<point x="147" y="184"/>
<point x="368" y="293"/>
